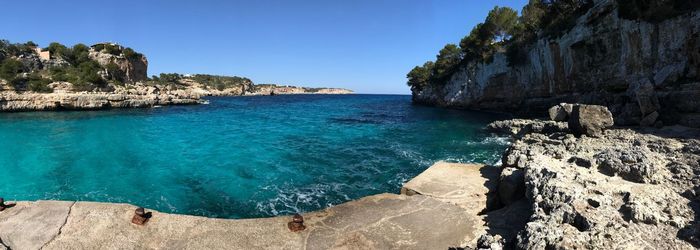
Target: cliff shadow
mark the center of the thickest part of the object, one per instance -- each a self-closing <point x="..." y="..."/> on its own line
<point x="504" y="220"/>
<point x="691" y="232"/>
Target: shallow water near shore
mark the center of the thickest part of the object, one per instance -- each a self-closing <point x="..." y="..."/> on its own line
<point x="237" y="157"/>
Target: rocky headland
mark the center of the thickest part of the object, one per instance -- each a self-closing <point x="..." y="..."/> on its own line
<point x="641" y="60"/>
<point x="108" y="75"/>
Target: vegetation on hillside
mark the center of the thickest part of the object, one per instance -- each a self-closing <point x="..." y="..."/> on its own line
<point x="507" y="32"/>
<point x="212" y="81"/>
<point x="19" y="68"/>
<point x="502" y="31"/>
<point x="69" y="64"/>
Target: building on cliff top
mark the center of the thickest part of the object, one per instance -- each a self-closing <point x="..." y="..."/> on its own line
<point x="43" y="54"/>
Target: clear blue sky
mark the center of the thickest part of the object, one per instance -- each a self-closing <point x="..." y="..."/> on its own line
<point x="364" y="45"/>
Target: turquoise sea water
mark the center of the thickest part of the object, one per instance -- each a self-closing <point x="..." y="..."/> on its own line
<point x="237" y="157"/>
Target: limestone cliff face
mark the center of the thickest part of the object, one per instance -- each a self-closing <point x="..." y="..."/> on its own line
<point x="130" y="69"/>
<point x="643" y="72"/>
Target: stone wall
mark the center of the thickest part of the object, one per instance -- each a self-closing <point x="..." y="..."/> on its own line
<point x="637" y="69"/>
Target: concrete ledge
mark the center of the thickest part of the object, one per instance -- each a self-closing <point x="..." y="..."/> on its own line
<point x="384" y="221"/>
<point x="468" y="185"/>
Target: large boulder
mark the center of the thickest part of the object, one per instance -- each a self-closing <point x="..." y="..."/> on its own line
<point x="561" y="112"/>
<point x="590" y="120"/>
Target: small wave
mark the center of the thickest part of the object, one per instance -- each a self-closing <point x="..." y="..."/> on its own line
<point x="492" y="140"/>
<point x="298" y="200"/>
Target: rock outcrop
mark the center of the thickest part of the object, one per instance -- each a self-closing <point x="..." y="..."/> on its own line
<point x="136" y="96"/>
<point x="129" y="69"/>
<point x="644" y="72"/>
<point x="589" y="119"/>
<point x="622" y="189"/>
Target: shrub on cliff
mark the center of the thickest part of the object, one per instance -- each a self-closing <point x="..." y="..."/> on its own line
<point x="447" y="60"/>
<point x="504" y="31"/>
<point x="10" y="68"/>
<point x="221" y="82"/>
<point x="130" y="54"/>
<point x="64" y="74"/>
<point x="419" y="77"/>
<point x="89" y="73"/>
<point x="502" y="22"/>
<point x="38" y="84"/>
<point x="478" y="45"/>
<point x="115" y="73"/>
<point x="15" y="49"/>
<point x="85" y="77"/>
<point x="560" y="15"/>
<point x="170" y="78"/>
<point x="112" y="49"/>
<point x="58" y="50"/>
<point x="80" y="54"/>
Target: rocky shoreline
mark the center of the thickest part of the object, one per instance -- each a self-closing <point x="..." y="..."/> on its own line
<point x="14" y="102"/>
<point x="570" y="182"/>
<point x="134" y="96"/>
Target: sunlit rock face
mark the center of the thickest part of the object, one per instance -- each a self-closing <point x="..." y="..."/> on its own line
<point x="130" y="69"/>
<point x="644" y="72"/>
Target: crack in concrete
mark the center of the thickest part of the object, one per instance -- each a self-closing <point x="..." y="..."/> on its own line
<point x="3" y="244"/>
<point x="70" y="209"/>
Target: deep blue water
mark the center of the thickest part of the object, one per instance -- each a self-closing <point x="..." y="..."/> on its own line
<point x="237" y="156"/>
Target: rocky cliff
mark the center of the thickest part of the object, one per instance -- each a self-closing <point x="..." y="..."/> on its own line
<point x="644" y="72"/>
<point x="128" y="68"/>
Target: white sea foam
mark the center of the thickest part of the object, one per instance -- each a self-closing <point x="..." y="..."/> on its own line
<point x="492" y="140"/>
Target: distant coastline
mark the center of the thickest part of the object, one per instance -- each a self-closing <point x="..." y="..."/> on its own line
<point x="108" y="75"/>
